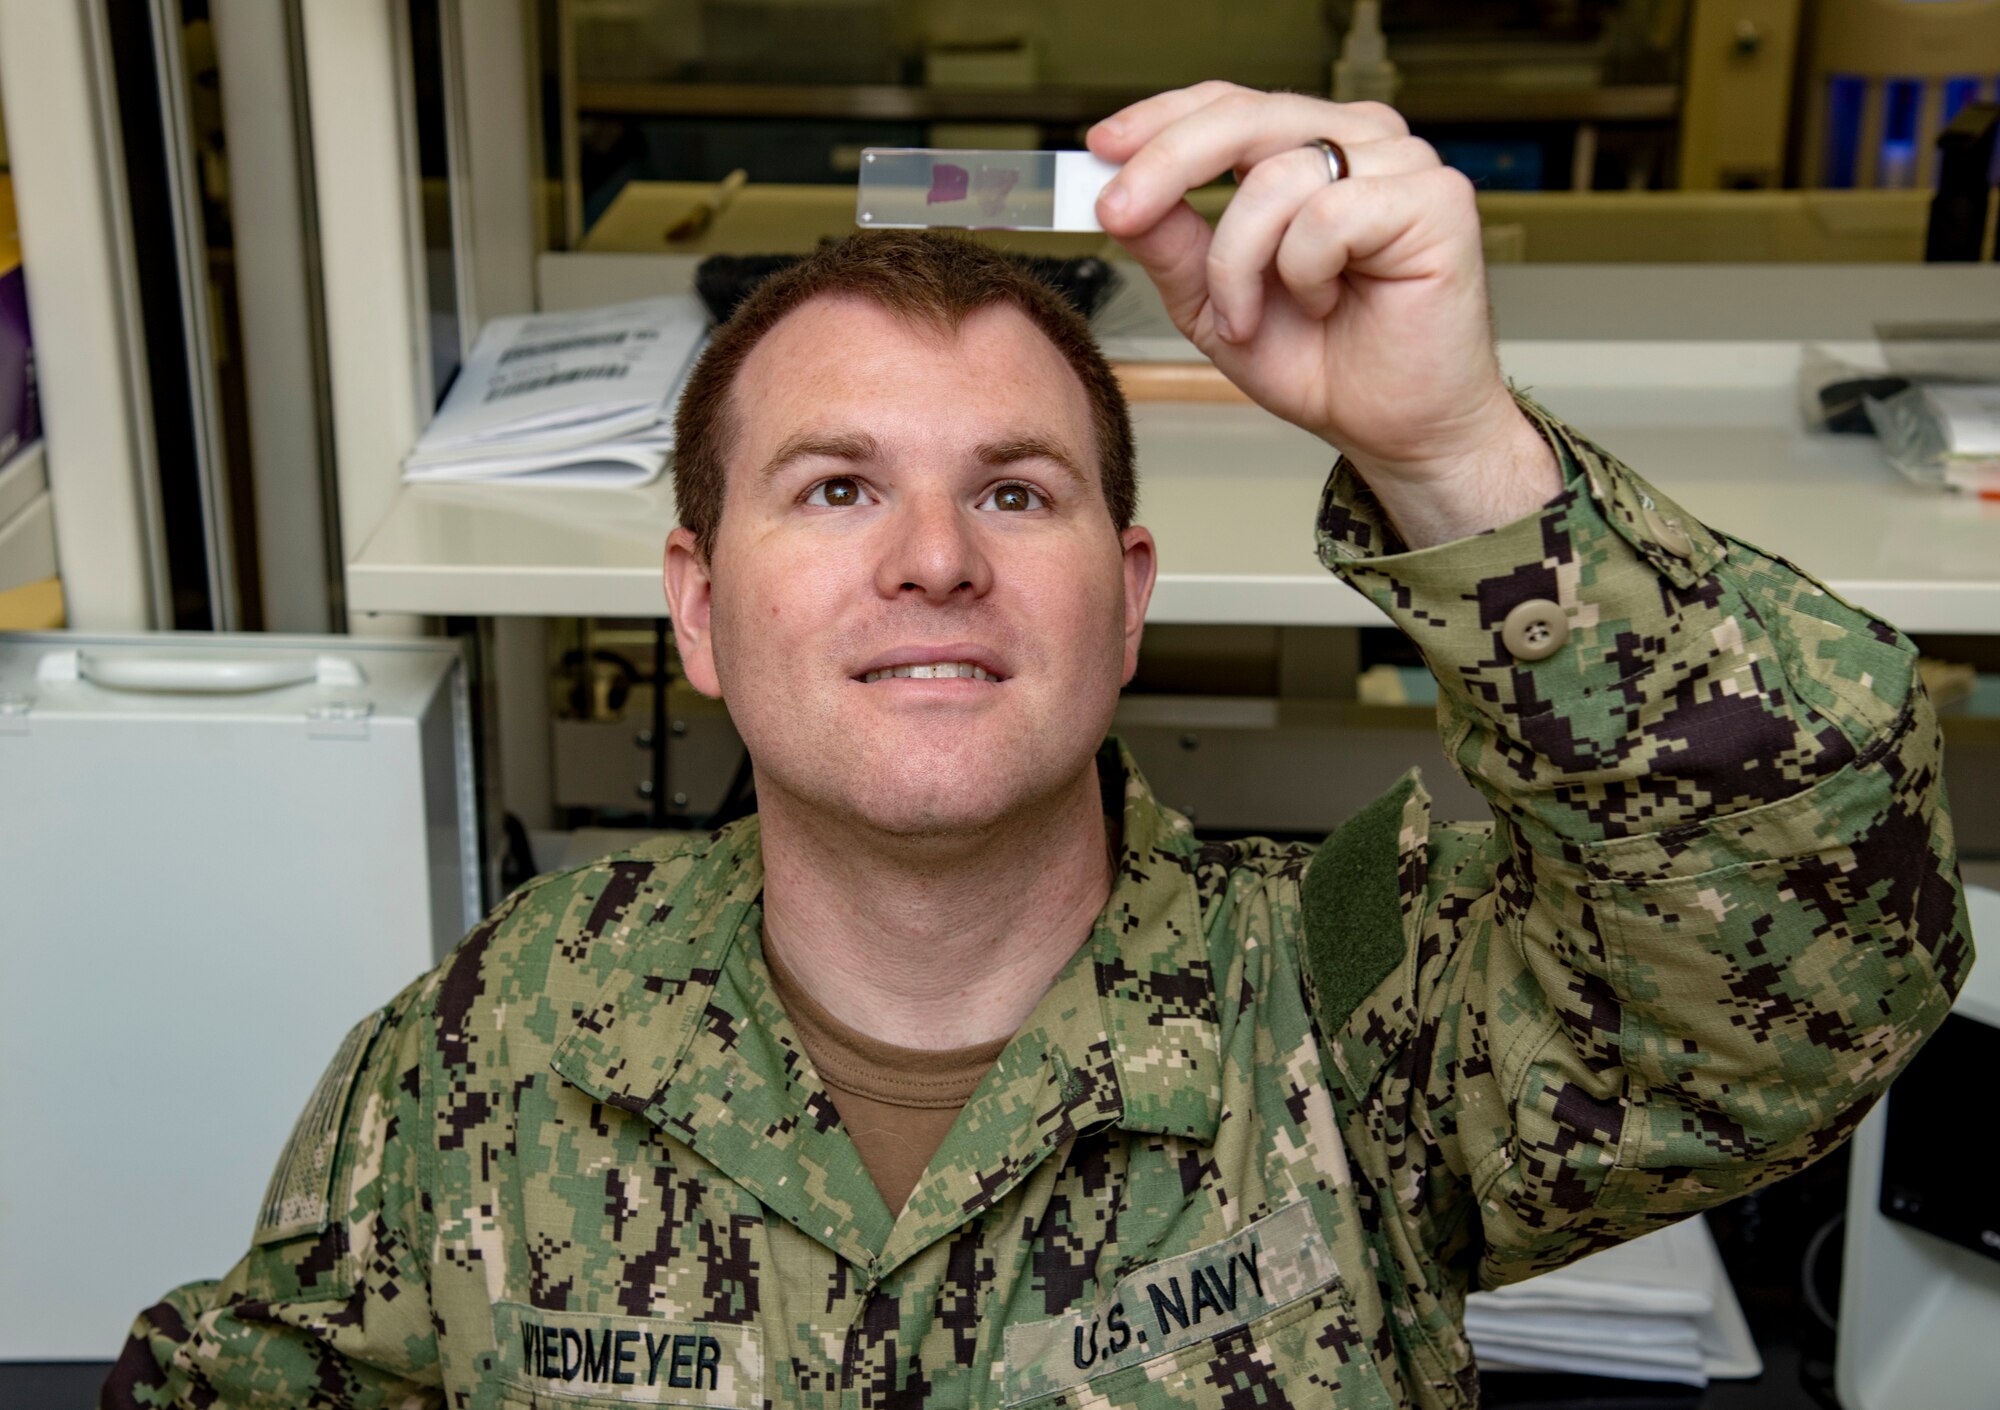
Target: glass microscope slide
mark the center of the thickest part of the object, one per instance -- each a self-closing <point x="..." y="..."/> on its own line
<point x="916" y="188"/>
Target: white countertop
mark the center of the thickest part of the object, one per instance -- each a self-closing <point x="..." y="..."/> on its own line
<point x="1230" y="493"/>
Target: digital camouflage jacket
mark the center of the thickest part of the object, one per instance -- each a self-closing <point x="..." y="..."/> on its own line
<point x="1284" y="1108"/>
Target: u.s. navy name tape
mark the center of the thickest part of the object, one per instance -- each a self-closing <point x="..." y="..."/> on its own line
<point x="629" y="1360"/>
<point x="1174" y="1303"/>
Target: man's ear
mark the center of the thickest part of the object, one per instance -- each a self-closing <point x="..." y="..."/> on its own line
<point x="690" y="603"/>
<point x="1141" y="568"/>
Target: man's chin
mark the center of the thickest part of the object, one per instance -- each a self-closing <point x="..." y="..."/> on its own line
<point x="944" y="806"/>
<point x="940" y="793"/>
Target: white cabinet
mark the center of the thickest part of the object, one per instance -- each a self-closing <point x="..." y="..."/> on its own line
<point x="220" y="853"/>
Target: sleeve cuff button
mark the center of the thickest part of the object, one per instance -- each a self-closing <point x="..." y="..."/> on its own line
<point x="1669" y="534"/>
<point x="1535" y="629"/>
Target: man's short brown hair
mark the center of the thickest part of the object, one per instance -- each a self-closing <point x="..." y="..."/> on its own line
<point x="929" y="279"/>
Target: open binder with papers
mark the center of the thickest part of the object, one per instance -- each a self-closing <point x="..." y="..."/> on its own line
<point x="1657" y="1309"/>
<point x="581" y="398"/>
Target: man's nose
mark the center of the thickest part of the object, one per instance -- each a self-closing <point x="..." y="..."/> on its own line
<point x="933" y="549"/>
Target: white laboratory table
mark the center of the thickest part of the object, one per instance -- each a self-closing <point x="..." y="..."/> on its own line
<point x="1700" y="402"/>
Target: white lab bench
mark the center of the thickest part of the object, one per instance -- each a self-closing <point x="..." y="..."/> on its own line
<point x="1696" y="392"/>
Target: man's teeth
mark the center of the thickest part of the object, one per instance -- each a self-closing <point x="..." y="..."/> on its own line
<point x="936" y="671"/>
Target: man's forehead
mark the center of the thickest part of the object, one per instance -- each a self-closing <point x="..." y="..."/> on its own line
<point x="836" y="322"/>
<point x="839" y="347"/>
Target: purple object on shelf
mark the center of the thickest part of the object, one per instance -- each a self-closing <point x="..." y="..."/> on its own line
<point x="20" y="411"/>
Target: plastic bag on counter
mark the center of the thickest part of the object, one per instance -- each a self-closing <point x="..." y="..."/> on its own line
<point x="1832" y="389"/>
<point x="1942" y="435"/>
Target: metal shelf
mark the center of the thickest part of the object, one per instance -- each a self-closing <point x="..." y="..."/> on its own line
<point x="1421" y="102"/>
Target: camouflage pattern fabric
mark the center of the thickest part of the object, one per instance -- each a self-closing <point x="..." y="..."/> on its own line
<point x="1262" y="1135"/>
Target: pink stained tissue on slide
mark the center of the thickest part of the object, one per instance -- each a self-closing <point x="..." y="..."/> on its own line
<point x="948" y="183"/>
<point x="991" y="187"/>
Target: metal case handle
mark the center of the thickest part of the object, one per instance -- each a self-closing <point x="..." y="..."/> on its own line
<point x="197" y="675"/>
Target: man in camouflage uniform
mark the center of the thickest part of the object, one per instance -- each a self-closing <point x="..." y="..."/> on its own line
<point x="1267" y="1113"/>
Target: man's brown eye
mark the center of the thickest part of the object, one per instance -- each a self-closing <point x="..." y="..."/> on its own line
<point x="842" y="491"/>
<point x="1012" y="497"/>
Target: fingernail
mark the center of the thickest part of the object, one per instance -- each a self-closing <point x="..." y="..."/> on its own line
<point x="1222" y="329"/>
<point x="1111" y="127"/>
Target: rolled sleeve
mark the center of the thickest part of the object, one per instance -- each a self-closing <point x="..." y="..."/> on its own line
<point x="1719" y="908"/>
<point x="1595" y="550"/>
<point x="1694" y="675"/>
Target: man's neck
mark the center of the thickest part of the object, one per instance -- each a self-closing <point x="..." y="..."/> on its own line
<point x="942" y="944"/>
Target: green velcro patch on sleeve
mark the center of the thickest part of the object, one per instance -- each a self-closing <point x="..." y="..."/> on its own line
<point x="299" y="1199"/>
<point x="1353" y="910"/>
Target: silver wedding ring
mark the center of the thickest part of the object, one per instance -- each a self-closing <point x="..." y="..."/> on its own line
<point x="1336" y="159"/>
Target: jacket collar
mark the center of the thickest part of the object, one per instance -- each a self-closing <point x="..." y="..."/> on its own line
<point x="690" y="1036"/>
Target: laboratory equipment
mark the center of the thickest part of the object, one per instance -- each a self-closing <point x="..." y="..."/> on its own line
<point x="1883" y="78"/>
<point x="1920" y="1282"/>
<point x="1364" y="71"/>
<point x="914" y="188"/>
<point x="220" y="854"/>
<point x="1965" y="185"/>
